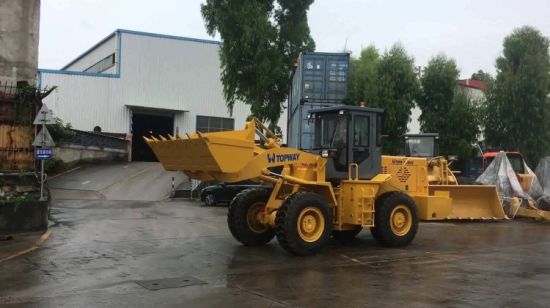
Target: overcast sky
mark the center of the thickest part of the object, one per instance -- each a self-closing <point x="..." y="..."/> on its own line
<point x="471" y="32"/>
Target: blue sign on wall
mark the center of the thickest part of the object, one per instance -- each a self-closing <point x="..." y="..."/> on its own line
<point x="44" y="153"/>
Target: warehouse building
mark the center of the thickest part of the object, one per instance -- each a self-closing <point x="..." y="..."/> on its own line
<point x="138" y="82"/>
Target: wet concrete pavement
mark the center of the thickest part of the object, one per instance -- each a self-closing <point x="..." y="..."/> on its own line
<point x="99" y="248"/>
<point x="116" y="181"/>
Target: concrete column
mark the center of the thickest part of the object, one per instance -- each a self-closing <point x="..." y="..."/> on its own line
<point x="19" y="34"/>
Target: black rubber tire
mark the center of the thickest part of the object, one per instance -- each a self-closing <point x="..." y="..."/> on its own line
<point x="286" y="223"/>
<point x="346" y="236"/>
<point x="210" y="203"/>
<point x="382" y="230"/>
<point x="237" y="217"/>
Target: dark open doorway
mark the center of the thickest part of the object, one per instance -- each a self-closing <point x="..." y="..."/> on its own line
<point x="146" y="125"/>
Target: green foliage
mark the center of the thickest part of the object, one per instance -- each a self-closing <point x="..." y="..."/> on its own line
<point x="261" y="42"/>
<point x="25" y="101"/>
<point x="518" y="106"/>
<point x="389" y="82"/>
<point x="446" y="109"/>
<point x="21" y="200"/>
<point x="60" y="131"/>
<point x="363" y="77"/>
<point x="397" y="88"/>
<point x="462" y="127"/>
<point x="482" y="76"/>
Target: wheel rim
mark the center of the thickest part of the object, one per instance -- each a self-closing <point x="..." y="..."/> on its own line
<point x="253" y="217"/>
<point x="209" y="199"/>
<point x="311" y="224"/>
<point x="401" y="220"/>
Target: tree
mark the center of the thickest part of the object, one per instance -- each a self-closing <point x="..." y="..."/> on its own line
<point x="389" y="82"/>
<point x="363" y="77"/>
<point x="261" y="41"/>
<point x="482" y="76"/>
<point x="446" y="109"/>
<point x="518" y="107"/>
<point x="397" y="88"/>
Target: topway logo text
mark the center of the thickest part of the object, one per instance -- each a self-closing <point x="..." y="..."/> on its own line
<point x="281" y="158"/>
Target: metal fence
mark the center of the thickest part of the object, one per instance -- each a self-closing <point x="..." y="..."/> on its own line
<point x="102" y="141"/>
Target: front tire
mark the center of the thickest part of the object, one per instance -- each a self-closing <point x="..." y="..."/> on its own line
<point x="242" y="217"/>
<point x="395" y="221"/>
<point x="303" y="223"/>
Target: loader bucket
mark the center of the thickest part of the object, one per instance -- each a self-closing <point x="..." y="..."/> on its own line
<point x="202" y="155"/>
<point x="471" y="202"/>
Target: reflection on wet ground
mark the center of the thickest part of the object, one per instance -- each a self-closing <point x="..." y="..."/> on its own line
<point x="99" y="248"/>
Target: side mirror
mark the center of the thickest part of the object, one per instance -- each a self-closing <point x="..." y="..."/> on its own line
<point x="452" y="158"/>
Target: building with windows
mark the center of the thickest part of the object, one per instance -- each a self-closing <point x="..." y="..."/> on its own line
<point x="143" y="83"/>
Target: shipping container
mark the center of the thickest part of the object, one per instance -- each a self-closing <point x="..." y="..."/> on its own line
<point x="319" y="77"/>
<point x="320" y="80"/>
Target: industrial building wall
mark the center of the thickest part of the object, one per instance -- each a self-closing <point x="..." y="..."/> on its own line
<point x="86" y="101"/>
<point x="95" y="55"/>
<point x="172" y="74"/>
<point x="413" y="127"/>
<point x="156" y="72"/>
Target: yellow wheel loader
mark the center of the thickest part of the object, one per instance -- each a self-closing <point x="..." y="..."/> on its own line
<point x="343" y="186"/>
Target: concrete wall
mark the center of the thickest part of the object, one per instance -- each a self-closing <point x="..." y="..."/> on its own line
<point x="73" y="154"/>
<point x="19" y="31"/>
<point x="476" y="95"/>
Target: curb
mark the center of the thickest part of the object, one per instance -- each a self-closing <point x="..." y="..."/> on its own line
<point x="37" y="245"/>
<point x="64" y="172"/>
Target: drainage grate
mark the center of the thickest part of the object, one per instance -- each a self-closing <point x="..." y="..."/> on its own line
<point x="168" y="283"/>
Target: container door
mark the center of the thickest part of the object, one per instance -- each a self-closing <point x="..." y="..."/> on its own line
<point x="337" y="78"/>
<point x="313" y="77"/>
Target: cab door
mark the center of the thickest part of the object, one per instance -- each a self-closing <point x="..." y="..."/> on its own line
<point x="364" y="149"/>
<point x="360" y="141"/>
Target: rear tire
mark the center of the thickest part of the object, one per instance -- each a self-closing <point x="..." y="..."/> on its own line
<point x="303" y="223"/>
<point x="395" y="221"/>
<point x="242" y="217"/>
<point x="346" y="236"/>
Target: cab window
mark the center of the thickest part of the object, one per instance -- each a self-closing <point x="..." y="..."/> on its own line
<point x="361" y="131"/>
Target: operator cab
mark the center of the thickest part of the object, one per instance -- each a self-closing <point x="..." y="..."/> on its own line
<point x="348" y="134"/>
<point x="421" y="145"/>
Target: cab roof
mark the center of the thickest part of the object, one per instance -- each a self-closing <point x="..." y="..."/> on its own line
<point x="436" y="135"/>
<point x="346" y="107"/>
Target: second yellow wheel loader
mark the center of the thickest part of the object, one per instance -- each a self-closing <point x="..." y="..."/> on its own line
<point x="344" y="186"/>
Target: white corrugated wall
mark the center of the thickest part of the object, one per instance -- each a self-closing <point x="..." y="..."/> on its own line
<point x="107" y="47"/>
<point x="155" y="72"/>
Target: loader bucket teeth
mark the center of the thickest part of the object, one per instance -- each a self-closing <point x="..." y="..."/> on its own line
<point x="201" y="155"/>
<point x="472" y="202"/>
